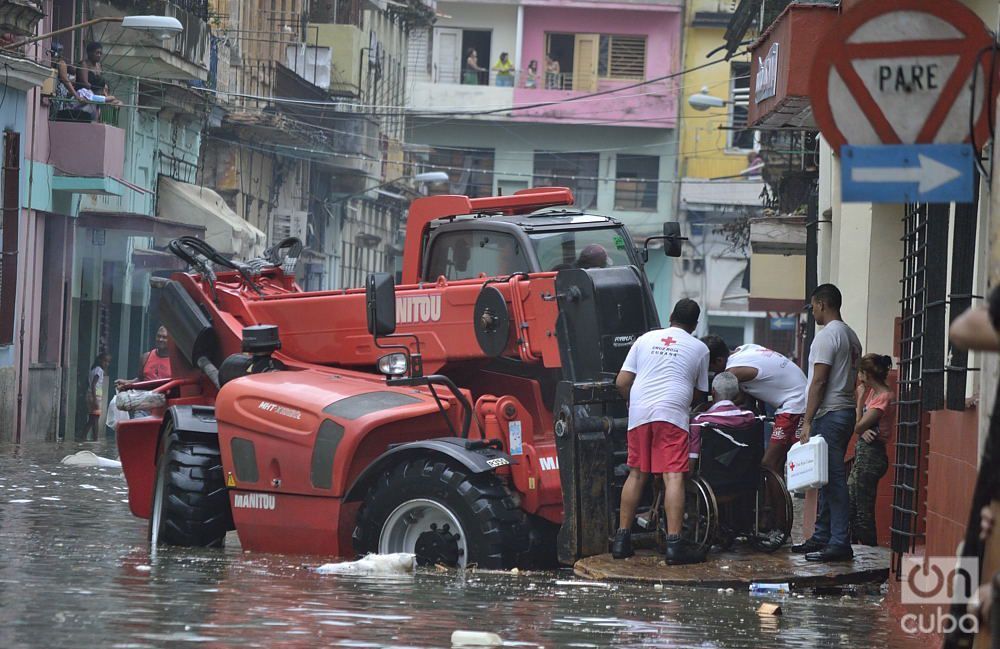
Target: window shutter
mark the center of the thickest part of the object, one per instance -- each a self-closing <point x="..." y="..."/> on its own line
<point x="627" y="57"/>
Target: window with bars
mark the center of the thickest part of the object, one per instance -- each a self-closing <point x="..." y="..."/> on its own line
<point x="636" y="185"/>
<point x="470" y="171"/>
<point x="622" y="57"/>
<point x="578" y="171"/>
<point x="739" y="112"/>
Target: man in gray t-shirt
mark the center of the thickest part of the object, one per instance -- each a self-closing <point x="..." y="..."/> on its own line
<point x="830" y="413"/>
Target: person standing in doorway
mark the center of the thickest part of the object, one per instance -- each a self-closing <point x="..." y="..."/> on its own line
<point x="830" y="413"/>
<point x="154" y="364"/>
<point x="666" y="370"/>
<point x="470" y="76"/>
<point x="875" y="413"/>
<point x="553" y="78"/>
<point x="95" y="395"/>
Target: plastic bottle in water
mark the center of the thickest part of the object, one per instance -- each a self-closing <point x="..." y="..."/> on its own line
<point x="757" y="588"/>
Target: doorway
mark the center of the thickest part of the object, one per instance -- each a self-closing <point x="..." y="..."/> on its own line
<point x="479" y="40"/>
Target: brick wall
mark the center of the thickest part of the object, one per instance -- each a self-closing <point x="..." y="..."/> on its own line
<point x="951" y="477"/>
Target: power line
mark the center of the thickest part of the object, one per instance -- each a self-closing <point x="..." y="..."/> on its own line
<point x="319" y="152"/>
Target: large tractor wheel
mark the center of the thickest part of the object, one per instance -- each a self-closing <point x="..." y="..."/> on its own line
<point x="190" y="500"/>
<point x="444" y="516"/>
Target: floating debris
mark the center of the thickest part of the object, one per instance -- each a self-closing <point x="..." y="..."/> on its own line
<point x="400" y="563"/>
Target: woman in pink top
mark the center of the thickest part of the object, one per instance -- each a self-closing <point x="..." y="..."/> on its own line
<point x="876" y="413"/>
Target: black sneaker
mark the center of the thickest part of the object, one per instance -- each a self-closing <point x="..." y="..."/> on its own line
<point x="621" y="547"/>
<point x="681" y="552"/>
<point x="832" y="553"/>
<point x="809" y="545"/>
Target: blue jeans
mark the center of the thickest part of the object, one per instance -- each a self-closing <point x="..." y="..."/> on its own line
<point x="834" y="516"/>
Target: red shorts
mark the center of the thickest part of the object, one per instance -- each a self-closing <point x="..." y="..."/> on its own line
<point x="786" y="428"/>
<point x="658" y="447"/>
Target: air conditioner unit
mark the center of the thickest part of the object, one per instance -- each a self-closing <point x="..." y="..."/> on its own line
<point x="289" y="223"/>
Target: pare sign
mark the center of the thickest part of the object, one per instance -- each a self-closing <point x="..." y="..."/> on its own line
<point x="902" y="72"/>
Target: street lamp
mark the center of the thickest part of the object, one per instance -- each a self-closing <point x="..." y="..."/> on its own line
<point x="703" y="101"/>
<point x="163" y="27"/>
<point x="424" y="177"/>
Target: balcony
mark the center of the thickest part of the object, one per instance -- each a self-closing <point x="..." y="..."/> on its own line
<point x="89" y="157"/>
<point x="183" y="57"/>
<point x="450" y="97"/>
<point x="20" y="17"/>
<point x="348" y="50"/>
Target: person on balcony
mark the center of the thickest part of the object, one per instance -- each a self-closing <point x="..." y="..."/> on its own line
<point x="91" y="83"/>
<point x="505" y="71"/>
<point x="552" y="73"/>
<point x="470" y="76"/>
<point x="531" y="78"/>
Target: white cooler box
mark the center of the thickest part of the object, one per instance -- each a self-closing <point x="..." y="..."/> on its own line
<point x="807" y="465"/>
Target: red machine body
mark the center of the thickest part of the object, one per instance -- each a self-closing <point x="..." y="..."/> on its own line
<point x="299" y="446"/>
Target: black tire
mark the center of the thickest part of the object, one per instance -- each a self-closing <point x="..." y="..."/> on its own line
<point x="190" y="499"/>
<point x="494" y="529"/>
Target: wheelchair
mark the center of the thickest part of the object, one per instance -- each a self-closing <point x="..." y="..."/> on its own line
<point x="729" y="496"/>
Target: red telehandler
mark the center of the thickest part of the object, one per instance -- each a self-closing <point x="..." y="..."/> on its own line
<point x="468" y="415"/>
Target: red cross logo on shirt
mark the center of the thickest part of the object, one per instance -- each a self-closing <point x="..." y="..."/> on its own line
<point x="791" y="466"/>
<point x="668" y="341"/>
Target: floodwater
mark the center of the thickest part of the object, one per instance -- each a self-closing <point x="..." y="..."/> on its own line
<point x="75" y="571"/>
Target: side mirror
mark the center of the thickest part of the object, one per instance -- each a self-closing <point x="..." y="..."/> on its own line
<point x="672" y="246"/>
<point x="380" y="301"/>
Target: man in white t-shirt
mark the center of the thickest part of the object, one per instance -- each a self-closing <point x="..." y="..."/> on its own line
<point x="830" y="413"/>
<point x="767" y="376"/>
<point x="665" y="371"/>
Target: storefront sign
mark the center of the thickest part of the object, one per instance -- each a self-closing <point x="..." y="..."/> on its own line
<point x="767" y="75"/>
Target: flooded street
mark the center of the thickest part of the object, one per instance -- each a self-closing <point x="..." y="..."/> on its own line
<point x="76" y="572"/>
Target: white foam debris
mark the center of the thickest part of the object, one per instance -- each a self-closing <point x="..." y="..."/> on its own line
<point x="583" y="584"/>
<point x="475" y="639"/>
<point x="89" y="458"/>
<point x="400" y="563"/>
<point x="21" y="501"/>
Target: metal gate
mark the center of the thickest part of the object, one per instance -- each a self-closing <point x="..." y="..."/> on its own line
<point x="909" y="408"/>
<point x="923" y="370"/>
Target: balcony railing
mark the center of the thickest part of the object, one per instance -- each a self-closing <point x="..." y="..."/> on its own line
<point x="513" y="79"/>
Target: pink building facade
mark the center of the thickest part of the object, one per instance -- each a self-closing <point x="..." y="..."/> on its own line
<point x="547" y="26"/>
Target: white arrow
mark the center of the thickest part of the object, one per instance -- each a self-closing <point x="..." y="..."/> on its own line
<point x="931" y="174"/>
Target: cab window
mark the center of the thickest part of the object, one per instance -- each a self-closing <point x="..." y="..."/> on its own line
<point x="594" y="248"/>
<point x="465" y="255"/>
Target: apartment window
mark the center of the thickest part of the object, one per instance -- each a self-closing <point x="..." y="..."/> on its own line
<point x="636" y="183"/>
<point x="470" y="171"/>
<point x="578" y="171"/>
<point x="585" y="58"/>
<point x="739" y="93"/>
<point x="622" y="57"/>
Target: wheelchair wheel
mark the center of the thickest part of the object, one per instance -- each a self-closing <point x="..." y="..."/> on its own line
<point x="701" y="514"/>
<point x="773" y="509"/>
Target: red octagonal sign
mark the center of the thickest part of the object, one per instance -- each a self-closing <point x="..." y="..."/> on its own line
<point x="900" y="72"/>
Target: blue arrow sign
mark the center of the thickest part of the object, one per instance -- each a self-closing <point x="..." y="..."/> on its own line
<point x="907" y="173"/>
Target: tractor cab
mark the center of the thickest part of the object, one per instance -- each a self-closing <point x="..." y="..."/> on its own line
<point x="547" y="240"/>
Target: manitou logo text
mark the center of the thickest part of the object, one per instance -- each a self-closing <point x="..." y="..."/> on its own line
<point x="254" y="501"/>
<point x="549" y="463"/>
<point x="418" y="308"/>
<point x="267" y="406"/>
